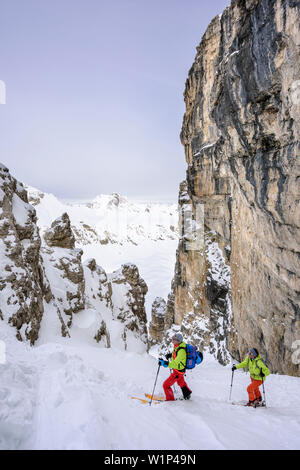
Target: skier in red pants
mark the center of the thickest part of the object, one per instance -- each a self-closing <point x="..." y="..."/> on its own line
<point x="178" y="364"/>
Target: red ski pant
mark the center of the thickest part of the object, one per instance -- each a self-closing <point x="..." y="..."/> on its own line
<point x="174" y="377"/>
<point x="253" y="389"/>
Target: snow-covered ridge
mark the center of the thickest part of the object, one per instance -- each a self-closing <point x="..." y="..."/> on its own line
<point x="115" y="230"/>
<point x="108" y="219"/>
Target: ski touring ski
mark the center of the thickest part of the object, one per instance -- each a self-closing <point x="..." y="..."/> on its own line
<point x="146" y="400"/>
<point x="245" y="403"/>
<point x="156" y="399"/>
<point x="160" y="398"/>
<point x="142" y="400"/>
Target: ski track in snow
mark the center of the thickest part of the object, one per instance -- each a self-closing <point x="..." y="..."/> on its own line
<point x="69" y="396"/>
<point x="70" y="393"/>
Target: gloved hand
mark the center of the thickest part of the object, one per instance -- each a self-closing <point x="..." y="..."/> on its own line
<point x="163" y="363"/>
<point x="168" y="356"/>
<point x="233" y="368"/>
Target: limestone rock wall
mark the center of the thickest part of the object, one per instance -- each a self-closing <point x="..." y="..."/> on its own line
<point x="241" y="138"/>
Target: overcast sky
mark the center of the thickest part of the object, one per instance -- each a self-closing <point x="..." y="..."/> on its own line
<point x="94" y="93"/>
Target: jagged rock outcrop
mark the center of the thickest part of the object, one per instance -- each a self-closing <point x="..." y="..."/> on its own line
<point x="60" y="233"/>
<point x="103" y="333"/>
<point x="119" y="300"/>
<point x="127" y="284"/>
<point x="98" y="286"/>
<point x="158" y="320"/>
<point x="241" y="138"/>
<point x="64" y="269"/>
<point x="23" y="284"/>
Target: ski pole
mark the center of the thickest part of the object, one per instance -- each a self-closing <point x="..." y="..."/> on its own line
<point x="264" y="394"/>
<point x="154" y="384"/>
<point x="262" y="379"/>
<point x="231" y="385"/>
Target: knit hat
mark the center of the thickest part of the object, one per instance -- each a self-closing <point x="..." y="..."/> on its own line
<point x="177" y="338"/>
<point x="254" y="352"/>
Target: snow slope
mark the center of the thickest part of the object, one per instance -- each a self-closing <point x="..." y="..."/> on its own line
<point x="72" y="393"/>
<point x="64" y="395"/>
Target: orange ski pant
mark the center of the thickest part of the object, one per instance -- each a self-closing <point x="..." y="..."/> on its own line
<point x="253" y="389"/>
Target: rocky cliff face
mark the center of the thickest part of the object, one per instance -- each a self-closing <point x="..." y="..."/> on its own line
<point x="23" y="284"/>
<point x="45" y="289"/>
<point x="241" y="138"/>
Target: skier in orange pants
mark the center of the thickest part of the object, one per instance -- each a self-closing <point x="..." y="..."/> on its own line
<point x="253" y="390"/>
<point x="258" y="372"/>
